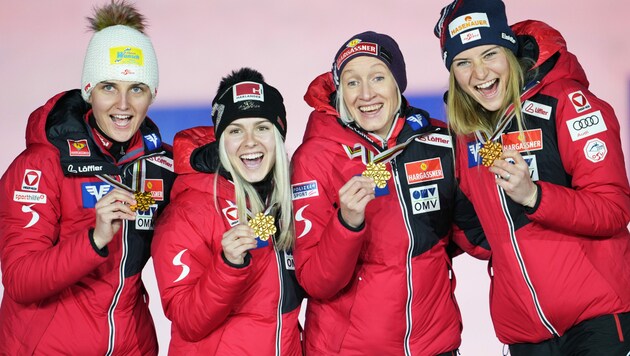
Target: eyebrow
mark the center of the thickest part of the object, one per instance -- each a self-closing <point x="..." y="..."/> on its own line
<point x="482" y="53"/>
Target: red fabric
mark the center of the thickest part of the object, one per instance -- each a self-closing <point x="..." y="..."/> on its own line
<point x="576" y="248"/>
<point x="57" y="288"/>
<point x="358" y="280"/>
<point x="215" y="309"/>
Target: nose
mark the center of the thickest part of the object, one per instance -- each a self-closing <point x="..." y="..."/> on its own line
<point x="250" y="138"/>
<point x="123" y="102"/>
<point x="480" y="70"/>
<point x="367" y="92"/>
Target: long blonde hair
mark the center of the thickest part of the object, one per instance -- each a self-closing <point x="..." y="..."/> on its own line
<point x="247" y="196"/>
<point x="466" y="116"/>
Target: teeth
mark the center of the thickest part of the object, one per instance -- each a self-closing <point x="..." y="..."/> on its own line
<point x="252" y="156"/>
<point x="486" y="85"/>
<point x="121" y="117"/>
<point x="370" y="107"/>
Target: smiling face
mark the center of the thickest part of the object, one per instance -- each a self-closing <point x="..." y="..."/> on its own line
<point x="120" y="107"/>
<point x="483" y="72"/>
<point x="370" y="94"/>
<point x="250" y="146"/>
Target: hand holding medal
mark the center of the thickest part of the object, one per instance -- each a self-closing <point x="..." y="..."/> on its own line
<point x="378" y="172"/>
<point x="263" y="226"/>
<point x="144" y="200"/>
<point x="490" y="151"/>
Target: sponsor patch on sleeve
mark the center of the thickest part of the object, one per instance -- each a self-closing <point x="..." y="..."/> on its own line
<point x="304" y="190"/>
<point x="29" y="197"/>
<point x="586" y="125"/>
<point x="595" y="150"/>
<point x="579" y="101"/>
<point x="31" y="180"/>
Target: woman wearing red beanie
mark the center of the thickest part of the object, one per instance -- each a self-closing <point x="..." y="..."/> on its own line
<point x="540" y="157"/>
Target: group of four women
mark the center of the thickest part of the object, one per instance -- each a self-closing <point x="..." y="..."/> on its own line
<point x="364" y="222"/>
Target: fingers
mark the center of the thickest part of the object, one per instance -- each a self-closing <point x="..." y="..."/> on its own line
<point x="236" y="242"/>
<point x="354" y="197"/>
<point x="116" y="202"/>
<point x="513" y="176"/>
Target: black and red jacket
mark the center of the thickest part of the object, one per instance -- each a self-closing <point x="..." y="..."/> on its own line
<point x="387" y="289"/>
<point x="61" y="294"/>
<point x="567" y="259"/>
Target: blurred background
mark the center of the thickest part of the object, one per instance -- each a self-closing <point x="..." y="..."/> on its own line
<point x="42" y="46"/>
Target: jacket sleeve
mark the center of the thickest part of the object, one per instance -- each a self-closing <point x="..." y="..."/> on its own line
<point x="37" y="262"/>
<point x="326" y="251"/>
<point x="197" y="288"/>
<point x="467" y="232"/>
<point x="599" y="198"/>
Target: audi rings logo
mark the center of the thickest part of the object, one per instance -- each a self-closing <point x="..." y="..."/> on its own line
<point x="586" y="122"/>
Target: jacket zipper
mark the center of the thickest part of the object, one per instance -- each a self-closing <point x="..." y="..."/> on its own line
<point x="405" y="214"/>
<point x="280" y="297"/>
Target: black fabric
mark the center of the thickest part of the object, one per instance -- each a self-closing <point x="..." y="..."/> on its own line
<point x="118" y="149"/>
<point x="68" y="131"/>
<point x="249" y="99"/>
<point x="594" y="337"/>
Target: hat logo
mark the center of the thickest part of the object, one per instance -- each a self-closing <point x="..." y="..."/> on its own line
<point x="127" y="72"/>
<point x="354" y="42"/>
<point x="248" y="91"/>
<point x="362" y="48"/>
<point x="468" y="22"/>
<point x="126" y="55"/>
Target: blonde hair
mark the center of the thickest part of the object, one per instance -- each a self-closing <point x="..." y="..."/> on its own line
<point x="246" y="194"/>
<point x="466" y="116"/>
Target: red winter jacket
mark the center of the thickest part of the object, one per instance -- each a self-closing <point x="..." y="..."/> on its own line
<point x="63" y="296"/>
<point x="217" y="308"/>
<point x="386" y="289"/>
<point x="567" y="259"/>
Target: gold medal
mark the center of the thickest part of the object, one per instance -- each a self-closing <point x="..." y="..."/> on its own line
<point x="490" y="151"/>
<point x="378" y="172"/>
<point x="263" y="226"/>
<point x="143" y="201"/>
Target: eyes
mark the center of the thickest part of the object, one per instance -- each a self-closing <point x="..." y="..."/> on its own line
<point x="258" y="128"/>
<point x="485" y="57"/>
<point x="138" y="88"/>
<point x="355" y="82"/>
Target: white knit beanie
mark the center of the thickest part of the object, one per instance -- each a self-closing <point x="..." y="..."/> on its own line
<point x="119" y="53"/>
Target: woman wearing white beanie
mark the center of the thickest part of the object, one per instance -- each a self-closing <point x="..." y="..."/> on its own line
<point x="78" y="205"/>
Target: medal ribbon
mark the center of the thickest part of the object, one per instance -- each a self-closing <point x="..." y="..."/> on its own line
<point x="491" y="149"/>
<point x="143" y="199"/>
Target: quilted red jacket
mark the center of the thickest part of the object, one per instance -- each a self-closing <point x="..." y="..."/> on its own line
<point x="63" y="296"/>
<point x="567" y="259"/>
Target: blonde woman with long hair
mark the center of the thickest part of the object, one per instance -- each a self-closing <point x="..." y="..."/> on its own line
<point x="223" y="251"/>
